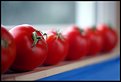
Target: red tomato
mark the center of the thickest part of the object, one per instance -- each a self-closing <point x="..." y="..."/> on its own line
<point x="95" y="41"/>
<point x="31" y="48"/>
<point x="8" y="47"/>
<point x="57" y="48"/>
<point x="78" y="46"/>
<point x="110" y="37"/>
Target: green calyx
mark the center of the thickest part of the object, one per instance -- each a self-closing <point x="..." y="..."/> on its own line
<point x="59" y="35"/>
<point x="4" y="43"/>
<point x="110" y="26"/>
<point x="35" y="38"/>
<point x="44" y="34"/>
<point x="94" y="27"/>
<point x="80" y="30"/>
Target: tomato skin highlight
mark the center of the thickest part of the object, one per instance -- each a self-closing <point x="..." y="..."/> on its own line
<point x="28" y="56"/>
<point x="8" y="50"/>
<point x="78" y="46"/>
<point x="57" y="48"/>
<point x="110" y="37"/>
<point x="95" y="41"/>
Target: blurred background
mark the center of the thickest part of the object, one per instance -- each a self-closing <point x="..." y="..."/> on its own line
<point x="82" y="13"/>
<point x="45" y="15"/>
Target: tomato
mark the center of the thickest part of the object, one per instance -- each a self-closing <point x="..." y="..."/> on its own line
<point x="110" y="37"/>
<point x="31" y="48"/>
<point x="95" y="41"/>
<point x="78" y="46"/>
<point x="8" y="47"/>
<point x="57" y="48"/>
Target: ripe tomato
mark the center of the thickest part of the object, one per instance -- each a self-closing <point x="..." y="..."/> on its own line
<point x="57" y="48"/>
<point x="31" y="48"/>
<point x="110" y="37"/>
<point x="95" y="41"/>
<point x="8" y="47"/>
<point x="78" y="46"/>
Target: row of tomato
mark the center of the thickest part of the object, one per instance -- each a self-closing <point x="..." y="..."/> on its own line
<point x="25" y="48"/>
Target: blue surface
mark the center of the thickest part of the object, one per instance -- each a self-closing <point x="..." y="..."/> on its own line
<point x="106" y="70"/>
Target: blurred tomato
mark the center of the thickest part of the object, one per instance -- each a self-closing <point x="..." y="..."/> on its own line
<point x="110" y="37"/>
<point x="8" y="47"/>
<point x="95" y="41"/>
<point x="78" y="46"/>
<point x="57" y="48"/>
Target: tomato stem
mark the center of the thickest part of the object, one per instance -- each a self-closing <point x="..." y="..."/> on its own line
<point x="59" y="35"/>
<point x="39" y="37"/>
<point x="110" y="26"/>
<point x="80" y="30"/>
<point x="93" y="27"/>
<point x="45" y="35"/>
<point x="35" y="38"/>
